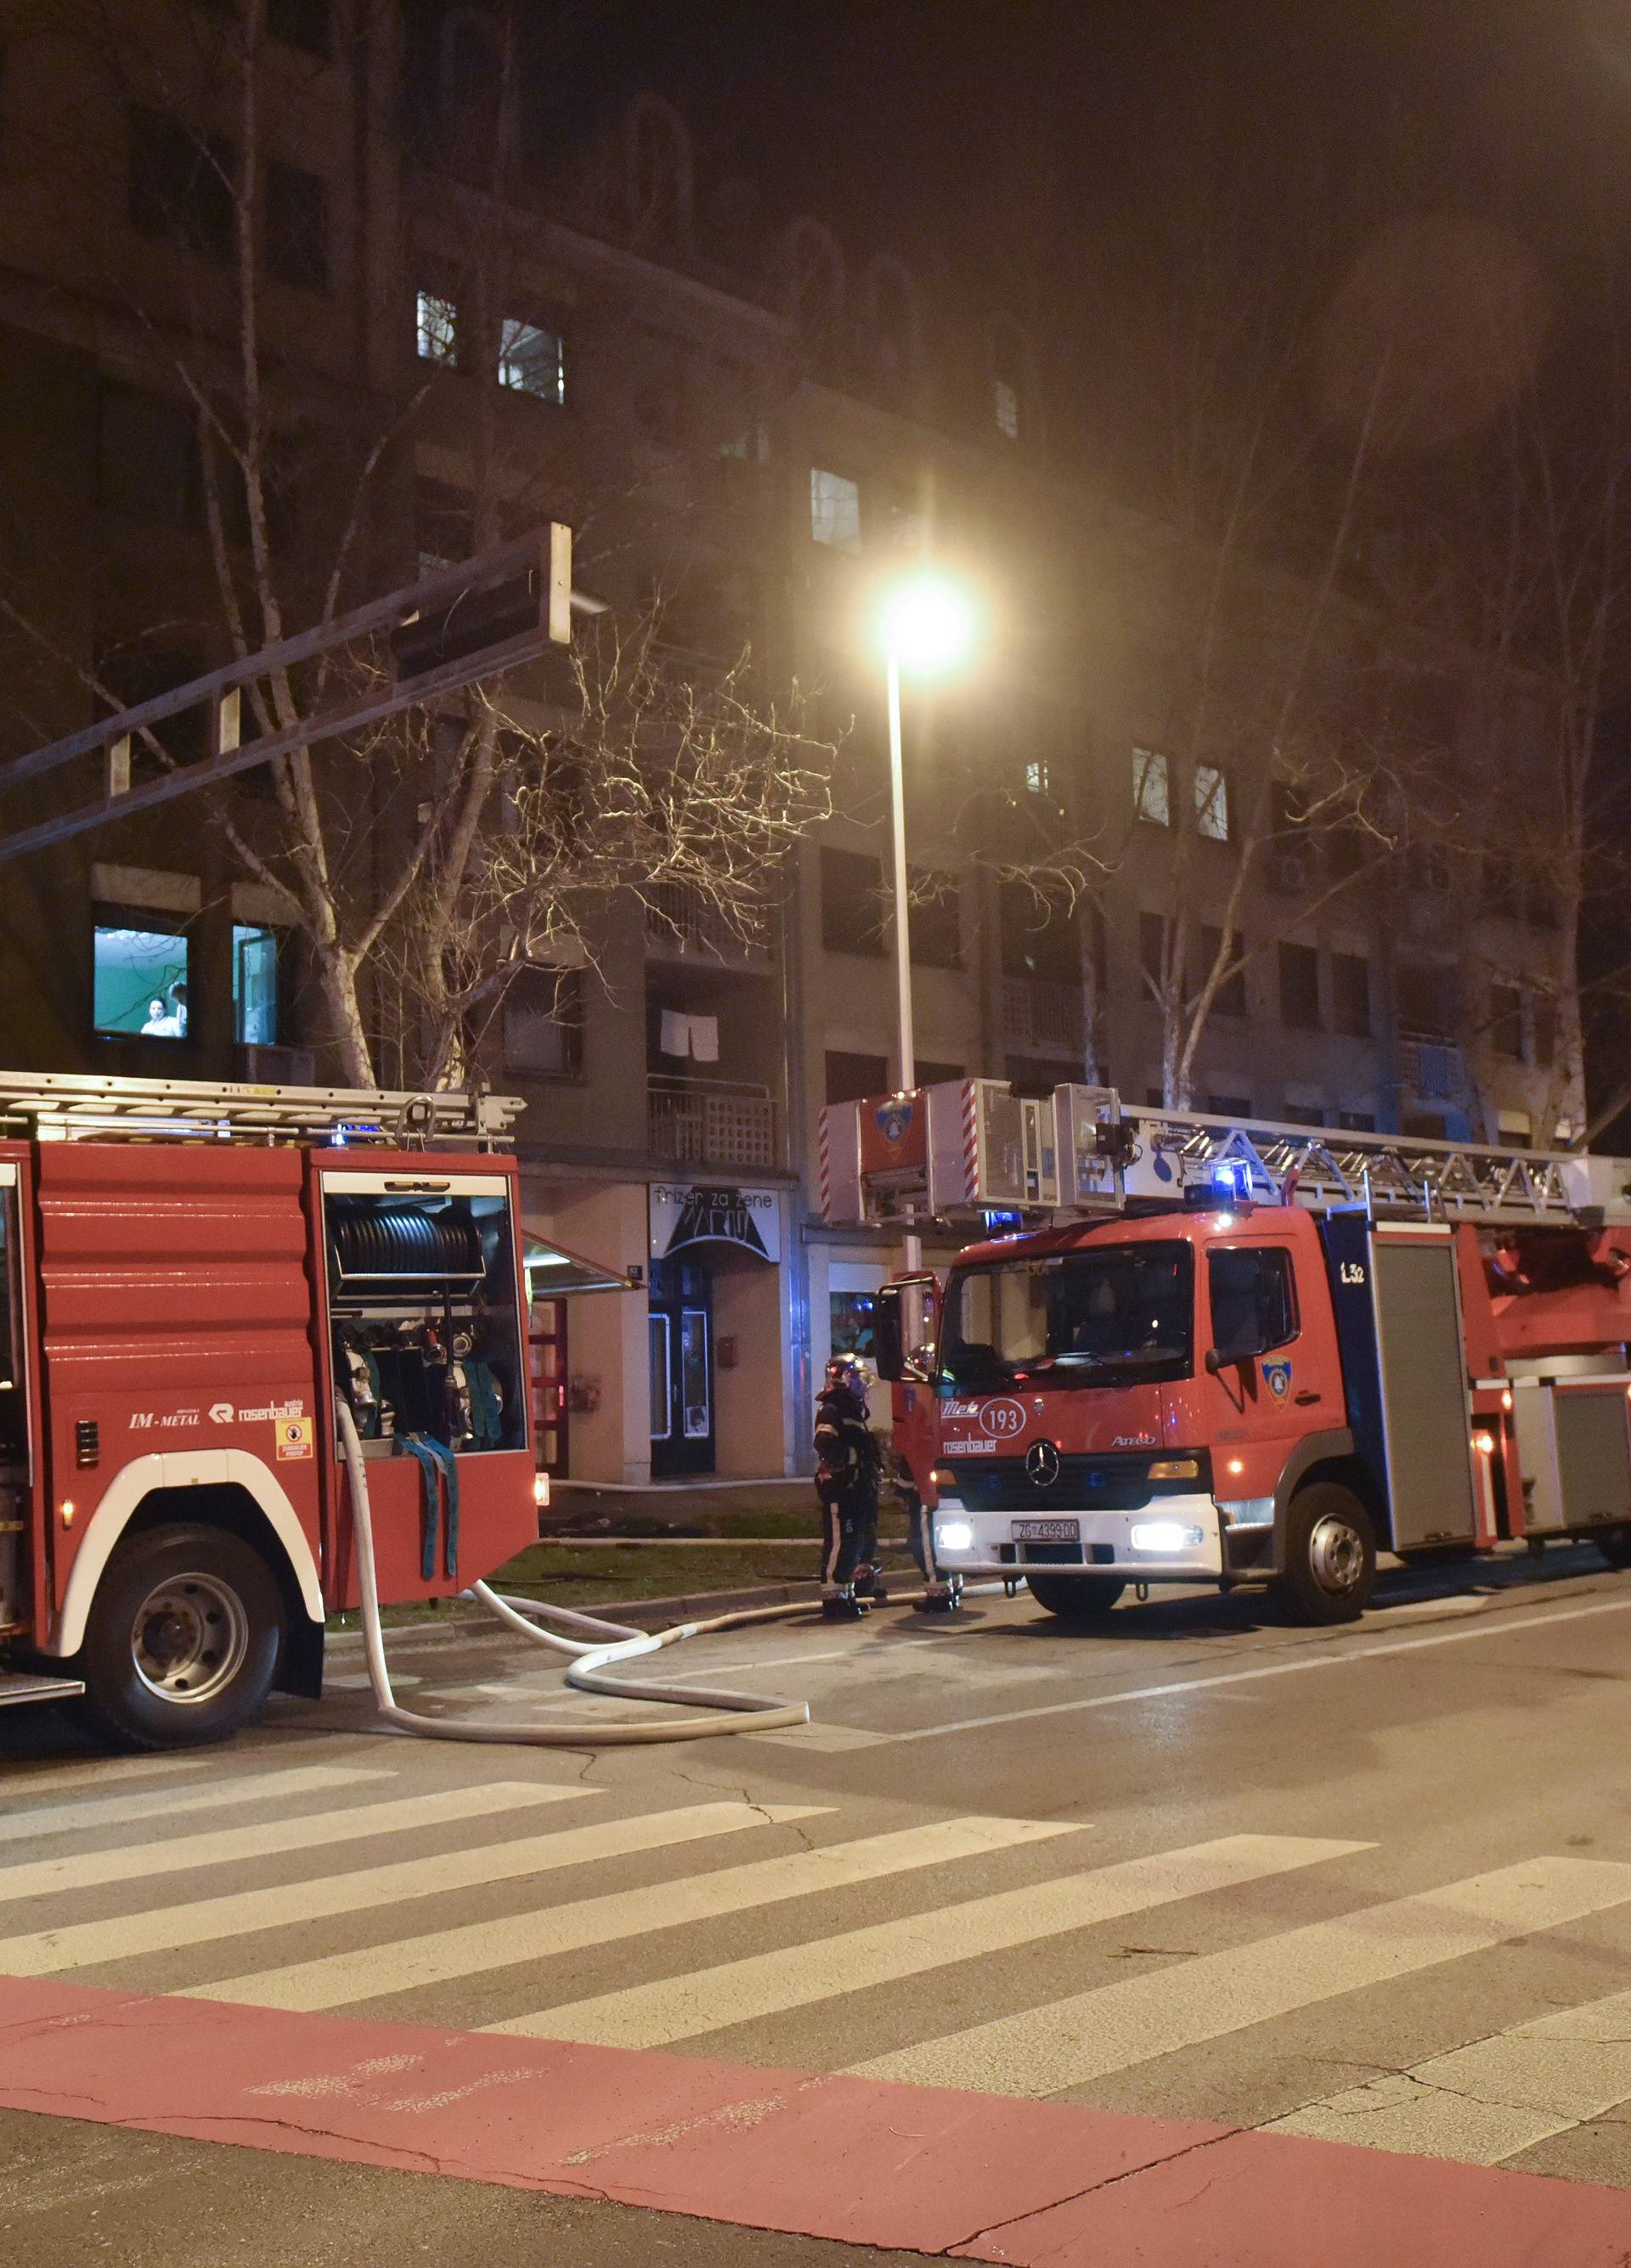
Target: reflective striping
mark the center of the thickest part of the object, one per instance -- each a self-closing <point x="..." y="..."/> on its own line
<point x="1486" y="2101"/>
<point x="1067" y="2042"/>
<point x="85" y="1870"/>
<point x="167" y="1802"/>
<point x="78" y="1944"/>
<point x="444" y="1955"/>
<point x="770" y="1984"/>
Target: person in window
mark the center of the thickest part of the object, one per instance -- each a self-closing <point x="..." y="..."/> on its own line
<point x="167" y="1021"/>
<point x="848" y="1467"/>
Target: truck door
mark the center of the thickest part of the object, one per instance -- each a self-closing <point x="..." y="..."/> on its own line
<point x="20" y="1581"/>
<point x="1270" y="1376"/>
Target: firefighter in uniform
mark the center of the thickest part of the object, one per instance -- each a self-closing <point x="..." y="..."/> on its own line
<point x="848" y="1467"/>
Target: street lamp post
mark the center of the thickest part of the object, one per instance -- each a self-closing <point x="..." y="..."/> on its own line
<point x="927" y="625"/>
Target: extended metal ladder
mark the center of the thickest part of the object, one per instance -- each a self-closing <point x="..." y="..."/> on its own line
<point x="68" y="1106"/>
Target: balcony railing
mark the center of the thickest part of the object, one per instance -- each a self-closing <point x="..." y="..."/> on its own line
<point x="1037" y="1014"/>
<point x="1433" y="1067"/>
<point x="679" y="926"/>
<point x="712" y="1122"/>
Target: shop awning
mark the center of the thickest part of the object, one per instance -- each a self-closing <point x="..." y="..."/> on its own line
<point x="552" y="1270"/>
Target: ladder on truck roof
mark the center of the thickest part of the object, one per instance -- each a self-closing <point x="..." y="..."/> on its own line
<point x="68" y="1106"/>
<point x="975" y="1147"/>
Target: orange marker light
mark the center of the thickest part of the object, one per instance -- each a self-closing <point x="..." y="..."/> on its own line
<point x="1238" y="1464"/>
<point x="1506" y="1399"/>
<point x="66" y="1508"/>
<point x="1484" y="1443"/>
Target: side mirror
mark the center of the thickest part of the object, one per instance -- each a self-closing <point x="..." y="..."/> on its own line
<point x="1224" y="1357"/>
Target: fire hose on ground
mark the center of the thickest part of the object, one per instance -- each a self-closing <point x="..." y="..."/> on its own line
<point x="593" y="1655"/>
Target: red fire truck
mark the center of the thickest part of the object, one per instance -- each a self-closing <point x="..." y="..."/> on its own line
<point x="191" y="1274"/>
<point x="1233" y="1354"/>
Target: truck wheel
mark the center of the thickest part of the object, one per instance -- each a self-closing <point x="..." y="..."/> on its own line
<point x="183" y="1638"/>
<point x="1076" y="1598"/>
<point x="1331" y="1555"/>
<point x="1615" y="1545"/>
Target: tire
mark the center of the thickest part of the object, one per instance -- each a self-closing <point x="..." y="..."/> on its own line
<point x="1076" y="1598"/>
<point x="182" y="1643"/>
<point x="1331" y="1555"/>
<point x="1615" y="1546"/>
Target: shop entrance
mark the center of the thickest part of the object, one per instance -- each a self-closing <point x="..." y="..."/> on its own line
<point x="681" y="1325"/>
<point x="546" y="1374"/>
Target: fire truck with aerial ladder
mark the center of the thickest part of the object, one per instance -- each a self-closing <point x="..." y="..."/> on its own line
<point x="1210" y="1352"/>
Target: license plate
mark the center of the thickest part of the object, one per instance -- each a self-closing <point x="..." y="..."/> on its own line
<point x="1046" y="1531"/>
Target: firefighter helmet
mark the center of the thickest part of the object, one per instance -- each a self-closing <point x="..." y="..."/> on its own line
<point x="846" y="1374"/>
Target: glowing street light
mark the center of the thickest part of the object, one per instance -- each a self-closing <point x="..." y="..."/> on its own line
<point x="927" y="627"/>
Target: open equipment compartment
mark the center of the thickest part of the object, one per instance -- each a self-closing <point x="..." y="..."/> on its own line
<point x="425" y="1309"/>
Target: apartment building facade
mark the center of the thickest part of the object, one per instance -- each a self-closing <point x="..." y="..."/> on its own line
<point x="752" y="430"/>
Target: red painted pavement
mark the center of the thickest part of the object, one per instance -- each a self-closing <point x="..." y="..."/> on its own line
<point x="932" y="2169"/>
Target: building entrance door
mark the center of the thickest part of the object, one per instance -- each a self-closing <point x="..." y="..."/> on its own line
<point x="546" y="1376"/>
<point x="682" y="1368"/>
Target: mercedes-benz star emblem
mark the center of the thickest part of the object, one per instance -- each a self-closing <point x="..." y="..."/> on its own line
<point x="1042" y="1465"/>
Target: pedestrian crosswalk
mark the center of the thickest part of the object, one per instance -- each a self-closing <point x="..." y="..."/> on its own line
<point x="563" y="1911"/>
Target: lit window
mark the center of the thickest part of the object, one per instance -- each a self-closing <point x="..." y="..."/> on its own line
<point x="1006" y="401"/>
<point x="438" y="329"/>
<point x="531" y="360"/>
<point x="1211" y="802"/>
<point x="1038" y="776"/>
<point x="139" y="982"/>
<point x="254" y="986"/>
<point x="1151" y="787"/>
<point x="835" y="510"/>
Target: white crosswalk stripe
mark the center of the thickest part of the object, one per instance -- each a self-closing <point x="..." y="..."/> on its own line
<point x="161" y="1804"/>
<point x="1070" y="2042"/>
<point x="269" y="1838"/>
<point x="79" y="1945"/>
<point x="1489" y="2100"/>
<point x="444" y="1955"/>
<point x="797" y="1976"/>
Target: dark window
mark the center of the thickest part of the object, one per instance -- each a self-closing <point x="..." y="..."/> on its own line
<point x="936" y="1074"/>
<point x="135" y="674"/>
<point x="851" y="1078"/>
<point x="1427" y="867"/>
<point x="532" y="359"/>
<point x="1350" y="995"/>
<point x="139" y="974"/>
<point x="300" y="24"/>
<point x="1426" y="1125"/>
<point x="1299" y="987"/>
<point x="297" y="227"/>
<point x="1305" y="1114"/>
<point x="851" y="903"/>
<point x="444" y="525"/>
<point x="1358" y="1121"/>
<point x="934" y="922"/>
<point x="543" y="1024"/>
<point x="1426" y="1007"/>
<point x="1152" y="946"/>
<point x="179" y="185"/>
<point x="1229" y="1106"/>
<point x="1039" y="936"/>
<point x="1254" y="1305"/>
<point x="1035" y="1074"/>
<point x="147" y="457"/>
<point x="1231" y="994"/>
<point x="1506" y="1020"/>
<point x="1543" y="1012"/>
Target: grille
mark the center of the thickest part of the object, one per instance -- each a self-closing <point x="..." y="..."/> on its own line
<point x="1107" y="1483"/>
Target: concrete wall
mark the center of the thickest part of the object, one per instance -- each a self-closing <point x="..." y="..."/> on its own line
<point x="605" y="1330"/>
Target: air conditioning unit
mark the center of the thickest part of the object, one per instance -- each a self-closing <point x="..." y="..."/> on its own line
<point x="267" y="1066"/>
<point x="1292" y="870"/>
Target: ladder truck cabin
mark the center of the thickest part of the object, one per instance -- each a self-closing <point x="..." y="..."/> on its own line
<point x="1233" y="1354"/>
<point x="191" y="1275"/>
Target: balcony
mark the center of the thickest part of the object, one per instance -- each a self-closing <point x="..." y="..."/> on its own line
<point x="680" y="927"/>
<point x="711" y="1122"/>
<point x="1432" y="1068"/>
<point x="1039" y="1014"/>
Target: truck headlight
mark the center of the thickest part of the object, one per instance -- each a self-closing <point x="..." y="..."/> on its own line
<point x="1164" y="1537"/>
<point x="953" y="1535"/>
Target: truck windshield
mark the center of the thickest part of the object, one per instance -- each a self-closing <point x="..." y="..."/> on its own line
<point x="1113" y="1315"/>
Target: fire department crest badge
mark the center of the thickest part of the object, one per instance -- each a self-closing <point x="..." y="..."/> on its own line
<point x="1277" y="1378"/>
<point x="893" y="1120"/>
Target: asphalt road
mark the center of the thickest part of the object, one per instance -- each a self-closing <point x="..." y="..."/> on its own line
<point x="1372" y="1886"/>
